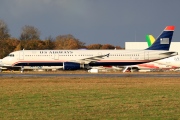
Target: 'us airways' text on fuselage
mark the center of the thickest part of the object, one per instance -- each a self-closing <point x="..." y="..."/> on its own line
<point x="56" y="52"/>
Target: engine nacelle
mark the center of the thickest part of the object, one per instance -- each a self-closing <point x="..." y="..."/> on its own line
<point x="71" y="66"/>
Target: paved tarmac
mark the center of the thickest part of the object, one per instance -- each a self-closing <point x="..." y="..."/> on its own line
<point x="89" y="75"/>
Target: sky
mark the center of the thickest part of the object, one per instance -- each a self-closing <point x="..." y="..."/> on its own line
<point x="93" y="21"/>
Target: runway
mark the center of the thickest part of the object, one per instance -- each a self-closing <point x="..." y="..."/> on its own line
<point x="140" y="75"/>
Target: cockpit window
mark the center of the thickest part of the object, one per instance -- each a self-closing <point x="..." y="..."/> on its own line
<point x="11" y="55"/>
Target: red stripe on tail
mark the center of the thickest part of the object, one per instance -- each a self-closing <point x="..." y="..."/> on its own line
<point x="170" y="28"/>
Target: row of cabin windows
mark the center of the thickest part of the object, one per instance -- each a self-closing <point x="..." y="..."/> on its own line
<point x="12" y="55"/>
<point x="59" y="55"/>
<point x="124" y="55"/>
<point x="90" y="55"/>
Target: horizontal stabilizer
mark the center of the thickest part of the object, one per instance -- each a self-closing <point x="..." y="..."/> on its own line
<point x="169" y="53"/>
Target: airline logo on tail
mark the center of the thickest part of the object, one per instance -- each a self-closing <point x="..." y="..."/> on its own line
<point x="163" y="41"/>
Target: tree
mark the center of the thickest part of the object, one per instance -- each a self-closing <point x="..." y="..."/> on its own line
<point x="68" y="42"/>
<point x="107" y="46"/>
<point x="94" y="46"/>
<point x="18" y="47"/>
<point x="4" y="32"/>
<point x="29" y="33"/>
<point x="118" y="47"/>
<point x="49" y="42"/>
<point x="34" y="45"/>
<point x="8" y="46"/>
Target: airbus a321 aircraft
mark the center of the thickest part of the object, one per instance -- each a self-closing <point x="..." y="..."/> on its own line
<point x="77" y="59"/>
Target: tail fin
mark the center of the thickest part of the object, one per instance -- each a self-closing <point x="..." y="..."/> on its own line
<point x="150" y="40"/>
<point x="163" y="42"/>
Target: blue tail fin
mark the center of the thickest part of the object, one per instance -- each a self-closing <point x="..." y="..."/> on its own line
<point x="163" y="42"/>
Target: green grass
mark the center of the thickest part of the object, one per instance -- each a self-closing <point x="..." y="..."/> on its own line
<point x="90" y="98"/>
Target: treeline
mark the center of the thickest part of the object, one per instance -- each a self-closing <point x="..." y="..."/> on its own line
<point x="29" y="39"/>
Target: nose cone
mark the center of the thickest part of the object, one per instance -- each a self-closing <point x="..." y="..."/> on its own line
<point x="3" y="62"/>
<point x="7" y="61"/>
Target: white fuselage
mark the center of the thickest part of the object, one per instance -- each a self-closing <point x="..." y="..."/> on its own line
<point x="83" y="57"/>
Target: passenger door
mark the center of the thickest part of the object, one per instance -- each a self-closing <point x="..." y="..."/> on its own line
<point x="21" y="55"/>
<point x="146" y="55"/>
<point x="56" y="56"/>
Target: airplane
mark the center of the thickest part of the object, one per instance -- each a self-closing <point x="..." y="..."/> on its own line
<point x="84" y="59"/>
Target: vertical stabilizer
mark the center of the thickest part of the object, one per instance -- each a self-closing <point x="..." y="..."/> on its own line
<point x="163" y="42"/>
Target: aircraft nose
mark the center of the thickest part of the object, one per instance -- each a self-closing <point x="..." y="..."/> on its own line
<point x="3" y="62"/>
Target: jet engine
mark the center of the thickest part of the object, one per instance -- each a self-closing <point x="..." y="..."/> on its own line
<point x="71" y="66"/>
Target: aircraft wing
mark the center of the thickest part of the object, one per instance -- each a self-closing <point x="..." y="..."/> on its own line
<point x="91" y="59"/>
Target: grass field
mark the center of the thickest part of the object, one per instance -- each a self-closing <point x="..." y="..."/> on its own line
<point x="89" y="98"/>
